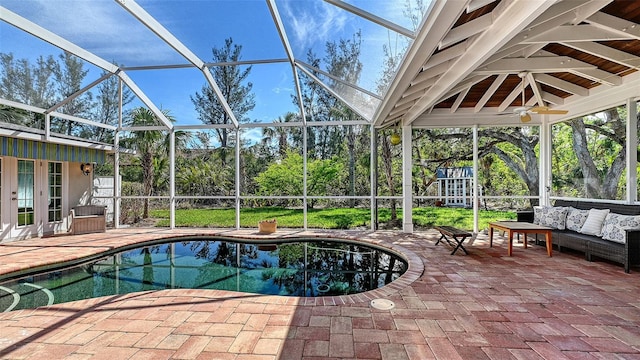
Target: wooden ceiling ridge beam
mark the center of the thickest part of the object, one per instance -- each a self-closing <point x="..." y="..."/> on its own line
<point x="615" y="24"/>
<point x="510" y="18"/>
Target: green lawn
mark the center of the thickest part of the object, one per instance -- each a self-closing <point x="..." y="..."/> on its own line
<point x="338" y="218"/>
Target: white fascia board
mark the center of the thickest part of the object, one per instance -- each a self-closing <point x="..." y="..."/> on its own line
<point x="533" y="65"/>
<point x="616" y="24"/>
<point x="373" y="18"/>
<point x="152" y="24"/>
<point x="561" y="84"/>
<point x="490" y="91"/>
<point x="605" y="52"/>
<point x="466" y="30"/>
<point x="510" y="18"/>
<point x="145" y="100"/>
<point x="577" y="33"/>
<point x="55" y="40"/>
<point x="441" y="16"/>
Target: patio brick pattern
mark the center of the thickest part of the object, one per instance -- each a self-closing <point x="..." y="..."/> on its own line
<point x="481" y="306"/>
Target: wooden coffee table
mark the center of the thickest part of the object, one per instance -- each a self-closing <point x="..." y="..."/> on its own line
<point x="511" y="227"/>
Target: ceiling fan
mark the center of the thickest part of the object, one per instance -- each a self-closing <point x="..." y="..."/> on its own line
<point x="525" y="111"/>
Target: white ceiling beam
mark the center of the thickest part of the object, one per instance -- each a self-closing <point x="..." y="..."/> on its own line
<point x="513" y="95"/>
<point x="446" y="55"/>
<point x="561" y="84"/>
<point x="373" y="18"/>
<point x="552" y="99"/>
<point x="431" y="73"/>
<point x="419" y="87"/>
<point x="611" y="54"/>
<point x="441" y="16"/>
<point x="465" y="84"/>
<point x="411" y="98"/>
<point x="55" y="40"/>
<point x="537" y="93"/>
<point x="459" y="99"/>
<point x="533" y="64"/>
<point x="466" y="30"/>
<point x="576" y="33"/>
<point x="615" y="24"/>
<point x="598" y="76"/>
<point x="400" y="109"/>
<point x="509" y="19"/>
<point x="477" y="4"/>
<point x="490" y="91"/>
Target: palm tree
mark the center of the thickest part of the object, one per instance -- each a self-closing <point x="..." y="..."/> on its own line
<point x="280" y="133"/>
<point x="150" y="146"/>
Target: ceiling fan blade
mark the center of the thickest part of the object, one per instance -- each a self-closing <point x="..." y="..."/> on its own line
<point x="546" y="110"/>
<point x="525" y="118"/>
<point x="552" y="112"/>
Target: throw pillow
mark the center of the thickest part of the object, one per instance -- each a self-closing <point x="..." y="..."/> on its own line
<point x="537" y="212"/>
<point x="593" y="224"/>
<point x="553" y="217"/>
<point x="614" y="226"/>
<point x="576" y="218"/>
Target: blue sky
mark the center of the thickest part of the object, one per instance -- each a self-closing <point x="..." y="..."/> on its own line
<point x="104" y="28"/>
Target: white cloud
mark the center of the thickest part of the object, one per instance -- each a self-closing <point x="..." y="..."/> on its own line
<point x="315" y="24"/>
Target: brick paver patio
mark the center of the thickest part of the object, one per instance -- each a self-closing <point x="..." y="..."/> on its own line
<point x="481" y="306"/>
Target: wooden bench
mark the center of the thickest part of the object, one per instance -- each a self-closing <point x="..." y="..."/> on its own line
<point x="87" y="219"/>
<point x="456" y="234"/>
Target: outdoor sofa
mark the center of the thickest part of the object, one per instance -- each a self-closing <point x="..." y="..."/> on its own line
<point x="615" y="238"/>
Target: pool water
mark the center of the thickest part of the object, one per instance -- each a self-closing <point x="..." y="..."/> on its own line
<point x="303" y="268"/>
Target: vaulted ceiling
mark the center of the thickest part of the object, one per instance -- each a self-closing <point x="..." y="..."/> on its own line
<point x="472" y="60"/>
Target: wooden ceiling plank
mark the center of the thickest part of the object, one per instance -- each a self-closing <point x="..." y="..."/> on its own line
<point x="459" y="99"/>
<point x="561" y="84"/>
<point x="465" y="84"/>
<point x="576" y="33"/>
<point x="466" y="30"/>
<point x="490" y="91"/>
<point x="599" y="76"/>
<point x="605" y="52"/>
<point x="446" y="55"/>
<point x="537" y="93"/>
<point x="616" y="24"/>
<point x="534" y="64"/>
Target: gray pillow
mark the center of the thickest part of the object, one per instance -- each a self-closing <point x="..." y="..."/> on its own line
<point x="576" y="218"/>
<point x="553" y="217"/>
<point x="614" y="226"/>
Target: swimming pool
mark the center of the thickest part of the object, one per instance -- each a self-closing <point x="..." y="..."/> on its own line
<point x="302" y="267"/>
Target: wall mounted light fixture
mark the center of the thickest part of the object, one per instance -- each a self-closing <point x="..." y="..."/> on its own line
<point x="86" y="168"/>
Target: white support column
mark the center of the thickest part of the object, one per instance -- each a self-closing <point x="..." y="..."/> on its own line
<point x="237" y="177"/>
<point x="544" y="170"/>
<point x="373" y="161"/>
<point x="304" y="177"/>
<point x="632" y="151"/>
<point x="116" y="180"/>
<point x="407" y="191"/>
<point x="474" y="189"/>
<point x="172" y="178"/>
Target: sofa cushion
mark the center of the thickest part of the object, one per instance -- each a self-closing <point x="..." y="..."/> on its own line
<point x="593" y="224"/>
<point x="551" y="216"/>
<point x="614" y="226"/>
<point x="576" y="218"/>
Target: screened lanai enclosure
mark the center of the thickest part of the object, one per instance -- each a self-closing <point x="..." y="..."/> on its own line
<point x="158" y="108"/>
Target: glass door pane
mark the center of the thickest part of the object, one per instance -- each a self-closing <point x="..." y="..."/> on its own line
<point x="55" y="191"/>
<point x="25" y="192"/>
